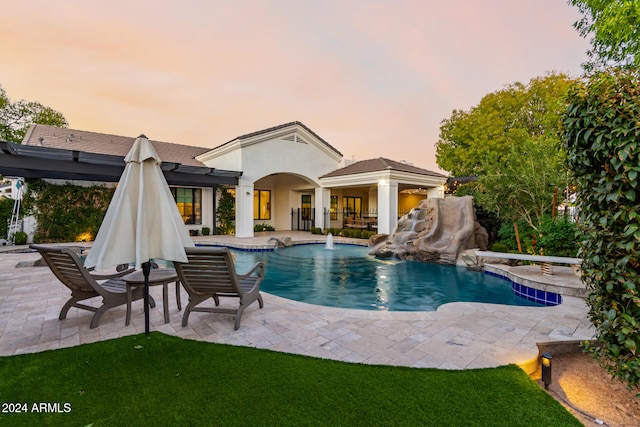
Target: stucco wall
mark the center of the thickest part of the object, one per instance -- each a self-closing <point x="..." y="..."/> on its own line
<point x="277" y="155"/>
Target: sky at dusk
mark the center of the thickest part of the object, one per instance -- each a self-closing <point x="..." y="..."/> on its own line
<point x="372" y="78"/>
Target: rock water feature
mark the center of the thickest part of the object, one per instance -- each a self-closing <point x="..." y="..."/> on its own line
<point x="438" y="230"/>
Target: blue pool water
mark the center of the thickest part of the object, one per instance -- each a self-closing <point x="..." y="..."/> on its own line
<point x="348" y="277"/>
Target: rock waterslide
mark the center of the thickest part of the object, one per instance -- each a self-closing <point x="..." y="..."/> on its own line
<point x="438" y="230"/>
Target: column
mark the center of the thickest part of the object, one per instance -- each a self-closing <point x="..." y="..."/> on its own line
<point x="244" y="209"/>
<point x="387" y="206"/>
<point x="435" y="192"/>
<point x="323" y="202"/>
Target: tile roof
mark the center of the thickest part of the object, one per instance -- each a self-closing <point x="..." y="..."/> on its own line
<point x="380" y="164"/>
<point x="275" y="128"/>
<point x="101" y="143"/>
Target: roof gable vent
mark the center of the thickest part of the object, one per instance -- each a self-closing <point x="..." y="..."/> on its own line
<point x="294" y="138"/>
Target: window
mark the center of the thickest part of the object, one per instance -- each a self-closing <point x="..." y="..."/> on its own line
<point x="352" y="207"/>
<point x="333" y="209"/>
<point x="261" y="204"/>
<point x="189" y="204"/>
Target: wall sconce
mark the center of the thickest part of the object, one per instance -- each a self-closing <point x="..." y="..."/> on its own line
<point x="546" y="370"/>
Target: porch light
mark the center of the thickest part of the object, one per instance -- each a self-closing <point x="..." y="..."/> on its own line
<point x="546" y="370"/>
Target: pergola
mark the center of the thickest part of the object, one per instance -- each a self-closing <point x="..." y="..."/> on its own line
<point x="29" y="161"/>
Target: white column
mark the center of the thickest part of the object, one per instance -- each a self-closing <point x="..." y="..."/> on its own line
<point x="436" y="192"/>
<point x="244" y="209"/>
<point x="323" y="202"/>
<point x="387" y="206"/>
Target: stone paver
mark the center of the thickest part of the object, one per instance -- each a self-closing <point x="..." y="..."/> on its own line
<point x="456" y="336"/>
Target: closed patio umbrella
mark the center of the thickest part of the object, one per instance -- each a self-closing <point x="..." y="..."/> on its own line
<point x="142" y="221"/>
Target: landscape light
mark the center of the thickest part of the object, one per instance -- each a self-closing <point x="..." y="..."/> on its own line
<point x="546" y="370"/>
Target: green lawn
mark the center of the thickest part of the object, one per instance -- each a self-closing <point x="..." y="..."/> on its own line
<point x="165" y="380"/>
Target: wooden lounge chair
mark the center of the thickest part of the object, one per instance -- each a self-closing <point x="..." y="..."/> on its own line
<point x="211" y="273"/>
<point x="67" y="266"/>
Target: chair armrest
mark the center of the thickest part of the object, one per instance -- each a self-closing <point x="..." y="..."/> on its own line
<point x="259" y="266"/>
<point x="113" y="275"/>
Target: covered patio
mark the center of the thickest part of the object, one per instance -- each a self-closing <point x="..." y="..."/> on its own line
<point x="28" y="161"/>
<point x="375" y="193"/>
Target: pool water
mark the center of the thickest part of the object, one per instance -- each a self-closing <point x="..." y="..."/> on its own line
<point x="348" y="277"/>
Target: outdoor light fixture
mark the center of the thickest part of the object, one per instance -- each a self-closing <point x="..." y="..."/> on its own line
<point x="546" y="370"/>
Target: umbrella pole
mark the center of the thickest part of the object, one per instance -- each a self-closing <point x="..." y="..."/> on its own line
<point x="146" y="269"/>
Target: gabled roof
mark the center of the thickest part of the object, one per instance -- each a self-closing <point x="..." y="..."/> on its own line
<point x="380" y="164"/>
<point x="100" y="143"/>
<point x="279" y="127"/>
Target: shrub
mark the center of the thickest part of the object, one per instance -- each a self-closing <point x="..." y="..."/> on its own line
<point x="366" y="234"/>
<point x="206" y="231"/>
<point x="500" y="247"/>
<point x="556" y="238"/>
<point x="66" y="213"/>
<point x="6" y="208"/>
<point x="356" y="234"/>
<point x="19" y="238"/>
<point x="602" y="135"/>
<point x="507" y="235"/>
<point x="315" y="230"/>
<point x="263" y="227"/>
<point x="335" y="231"/>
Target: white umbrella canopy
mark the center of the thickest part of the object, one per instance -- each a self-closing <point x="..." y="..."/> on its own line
<point x="142" y="221"/>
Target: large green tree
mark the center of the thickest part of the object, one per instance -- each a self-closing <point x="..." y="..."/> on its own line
<point x="614" y="28"/>
<point x="602" y="137"/>
<point x="16" y="117"/>
<point x="511" y="142"/>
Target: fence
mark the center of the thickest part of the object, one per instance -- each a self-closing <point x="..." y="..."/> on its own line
<point x="303" y="218"/>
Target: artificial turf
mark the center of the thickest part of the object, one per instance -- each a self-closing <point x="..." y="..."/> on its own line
<point x="165" y="380"/>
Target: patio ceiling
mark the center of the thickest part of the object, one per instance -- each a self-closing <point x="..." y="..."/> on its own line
<point x="28" y="161"/>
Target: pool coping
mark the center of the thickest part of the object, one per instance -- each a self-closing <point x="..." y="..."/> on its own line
<point x="562" y="282"/>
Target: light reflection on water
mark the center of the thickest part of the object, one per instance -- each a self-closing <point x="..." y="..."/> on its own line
<point x="348" y="277"/>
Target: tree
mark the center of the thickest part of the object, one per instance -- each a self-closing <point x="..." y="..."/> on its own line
<point x="16" y="117"/>
<point x="602" y="138"/>
<point x="523" y="186"/>
<point x="226" y="212"/>
<point x="511" y="141"/>
<point x="615" y="28"/>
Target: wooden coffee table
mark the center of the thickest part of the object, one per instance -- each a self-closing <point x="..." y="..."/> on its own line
<point x="157" y="276"/>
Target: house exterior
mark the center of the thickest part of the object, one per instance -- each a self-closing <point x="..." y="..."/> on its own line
<point x="285" y="176"/>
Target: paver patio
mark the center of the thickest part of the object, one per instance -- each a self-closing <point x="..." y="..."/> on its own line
<point x="456" y="336"/>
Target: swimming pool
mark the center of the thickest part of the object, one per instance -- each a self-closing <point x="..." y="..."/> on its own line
<point x="348" y="277"/>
